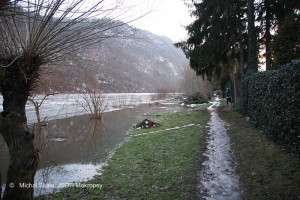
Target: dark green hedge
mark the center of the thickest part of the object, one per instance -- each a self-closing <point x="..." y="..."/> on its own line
<point x="271" y="100"/>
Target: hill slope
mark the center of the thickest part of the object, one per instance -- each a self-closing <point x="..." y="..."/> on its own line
<point x="142" y="63"/>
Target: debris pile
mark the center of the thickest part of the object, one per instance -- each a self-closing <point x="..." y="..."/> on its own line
<point x="146" y="123"/>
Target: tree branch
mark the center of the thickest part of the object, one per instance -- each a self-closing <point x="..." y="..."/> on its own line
<point x="12" y="62"/>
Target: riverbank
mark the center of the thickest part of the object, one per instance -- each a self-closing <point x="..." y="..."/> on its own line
<point x="161" y="165"/>
<point x="266" y="171"/>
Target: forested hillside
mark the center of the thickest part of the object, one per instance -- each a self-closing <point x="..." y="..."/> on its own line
<point x="142" y="62"/>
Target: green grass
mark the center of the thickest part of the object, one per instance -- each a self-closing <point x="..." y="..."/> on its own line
<point x="171" y="120"/>
<point x="265" y="170"/>
<point x="156" y="166"/>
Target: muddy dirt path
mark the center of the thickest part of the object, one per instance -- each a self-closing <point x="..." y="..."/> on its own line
<point x="217" y="179"/>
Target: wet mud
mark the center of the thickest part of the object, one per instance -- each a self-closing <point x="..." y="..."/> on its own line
<point x="217" y="178"/>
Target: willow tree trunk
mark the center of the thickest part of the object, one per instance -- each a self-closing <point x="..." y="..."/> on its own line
<point x="13" y="127"/>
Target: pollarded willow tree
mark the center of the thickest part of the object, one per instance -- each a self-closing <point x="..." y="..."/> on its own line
<point x="34" y="33"/>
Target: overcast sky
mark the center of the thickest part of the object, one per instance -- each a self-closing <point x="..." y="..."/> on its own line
<point x="166" y="17"/>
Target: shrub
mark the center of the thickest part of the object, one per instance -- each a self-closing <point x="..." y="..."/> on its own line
<point x="271" y="100"/>
<point x="196" y="98"/>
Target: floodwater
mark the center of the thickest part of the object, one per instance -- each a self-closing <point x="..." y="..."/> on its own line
<point x="60" y="106"/>
<point x="217" y="179"/>
<point x="75" y="148"/>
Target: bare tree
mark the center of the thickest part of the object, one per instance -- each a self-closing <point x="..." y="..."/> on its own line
<point x="94" y="100"/>
<point x="161" y="93"/>
<point x="37" y="104"/>
<point x="191" y="83"/>
<point x="34" y="33"/>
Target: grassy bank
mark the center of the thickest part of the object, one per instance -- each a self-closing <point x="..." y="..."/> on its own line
<point x="170" y="120"/>
<point x="266" y="171"/>
<point x="155" y="166"/>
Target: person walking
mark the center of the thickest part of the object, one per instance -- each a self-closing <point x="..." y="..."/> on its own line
<point x="228" y="96"/>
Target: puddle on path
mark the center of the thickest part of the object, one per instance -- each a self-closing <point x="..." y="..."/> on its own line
<point x="217" y="179"/>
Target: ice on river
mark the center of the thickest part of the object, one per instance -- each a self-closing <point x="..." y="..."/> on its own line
<point x="217" y="179"/>
<point x="67" y="105"/>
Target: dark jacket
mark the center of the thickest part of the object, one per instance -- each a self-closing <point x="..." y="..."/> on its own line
<point x="228" y="94"/>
